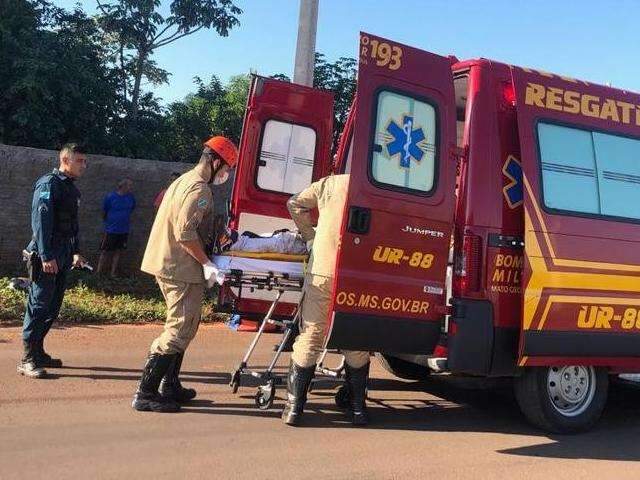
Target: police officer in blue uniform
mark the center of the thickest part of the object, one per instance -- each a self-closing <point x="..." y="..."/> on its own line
<point x="52" y="252"/>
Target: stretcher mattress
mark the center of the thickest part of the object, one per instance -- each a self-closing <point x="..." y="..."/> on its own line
<point x="283" y="257"/>
<point x="293" y="268"/>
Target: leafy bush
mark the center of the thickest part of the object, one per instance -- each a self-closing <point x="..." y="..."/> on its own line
<point x="101" y="301"/>
<point x="12" y="302"/>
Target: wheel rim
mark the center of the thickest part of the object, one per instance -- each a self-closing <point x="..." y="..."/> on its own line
<point x="571" y="388"/>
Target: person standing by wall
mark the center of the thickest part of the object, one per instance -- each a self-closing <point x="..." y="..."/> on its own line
<point x="158" y="199"/>
<point x="53" y="250"/>
<point x="176" y="256"/>
<point x="117" y="208"/>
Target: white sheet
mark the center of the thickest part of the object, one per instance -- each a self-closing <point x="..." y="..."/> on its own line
<point x="226" y="263"/>
<point x="282" y="242"/>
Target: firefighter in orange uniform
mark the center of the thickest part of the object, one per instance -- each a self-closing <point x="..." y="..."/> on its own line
<point x="176" y="256"/>
<point x="328" y="195"/>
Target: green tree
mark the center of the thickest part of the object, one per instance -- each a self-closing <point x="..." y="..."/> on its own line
<point x="340" y="78"/>
<point x="231" y="110"/>
<point x="212" y="109"/>
<point x="136" y="29"/>
<point x="190" y="121"/>
<point x="55" y="83"/>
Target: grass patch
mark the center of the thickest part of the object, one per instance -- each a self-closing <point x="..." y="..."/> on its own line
<point x="95" y="300"/>
<point x="12" y="303"/>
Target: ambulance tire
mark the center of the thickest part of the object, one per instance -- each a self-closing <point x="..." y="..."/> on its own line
<point x="537" y="394"/>
<point x="402" y="368"/>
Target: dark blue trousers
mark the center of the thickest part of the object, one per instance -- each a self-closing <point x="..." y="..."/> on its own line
<point x="43" y="305"/>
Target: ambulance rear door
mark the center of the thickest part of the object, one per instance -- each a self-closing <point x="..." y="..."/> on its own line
<point x="389" y="290"/>
<point x="285" y="145"/>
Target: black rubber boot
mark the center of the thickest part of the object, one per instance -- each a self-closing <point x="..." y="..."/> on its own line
<point x="356" y="380"/>
<point x="147" y="398"/>
<point x="298" y="381"/>
<point x="28" y="366"/>
<point x="43" y="359"/>
<point x="170" y="386"/>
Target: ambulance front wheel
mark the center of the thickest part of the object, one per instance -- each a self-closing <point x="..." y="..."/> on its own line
<point x="563" y="399"/>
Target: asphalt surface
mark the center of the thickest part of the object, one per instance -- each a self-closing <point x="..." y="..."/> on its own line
<point x="79" y="423"/>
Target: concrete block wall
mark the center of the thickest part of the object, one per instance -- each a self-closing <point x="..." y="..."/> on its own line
<point x="20" y="167"/>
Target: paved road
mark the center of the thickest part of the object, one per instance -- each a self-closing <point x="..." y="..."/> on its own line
<point x="79" y="424"/>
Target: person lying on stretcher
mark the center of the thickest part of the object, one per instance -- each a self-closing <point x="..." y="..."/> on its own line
<point x="282" y="252"/>
<point x="280" y="241"/>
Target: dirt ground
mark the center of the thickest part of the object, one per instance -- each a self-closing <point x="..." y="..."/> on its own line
<point x="79" y="423"/>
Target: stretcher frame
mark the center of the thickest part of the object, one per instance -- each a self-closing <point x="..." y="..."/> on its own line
<point x="279" y="283"/>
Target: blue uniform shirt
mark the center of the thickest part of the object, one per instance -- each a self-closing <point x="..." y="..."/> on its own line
<point x="54" y="218"/>
<point x="117" y="209"/>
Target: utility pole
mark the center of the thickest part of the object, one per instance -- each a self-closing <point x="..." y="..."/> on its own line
<point x="306" y="47"/>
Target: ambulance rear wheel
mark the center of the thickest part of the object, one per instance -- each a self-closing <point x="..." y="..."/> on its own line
<point x="402" y="368"/>
<point x="563" y="399"/>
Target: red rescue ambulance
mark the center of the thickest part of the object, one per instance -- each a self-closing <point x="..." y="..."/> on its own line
<point x="527" y="182"/>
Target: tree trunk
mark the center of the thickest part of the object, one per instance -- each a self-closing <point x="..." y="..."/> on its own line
<point x="135" y="94"/>
<point x="124" y="73"/>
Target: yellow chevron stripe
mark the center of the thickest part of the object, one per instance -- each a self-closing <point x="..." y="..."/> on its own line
<point x="585" y="299"/>
<point x="541" y="277"/>
<point x="561" y="262"/>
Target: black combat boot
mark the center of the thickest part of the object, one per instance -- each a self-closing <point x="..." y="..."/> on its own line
<point x="298" y="382"/>
<point x="28" y="366"/>
<point x="170" y="386"/>
<point x="356" y="380"/>
<point x="147" y="398"/>
<point x="43" y="359"/>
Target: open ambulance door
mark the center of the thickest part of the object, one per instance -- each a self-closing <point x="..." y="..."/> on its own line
<point x="285" y="146"/>
<point x="581" y="275"/>
<point x="389" y="288"/>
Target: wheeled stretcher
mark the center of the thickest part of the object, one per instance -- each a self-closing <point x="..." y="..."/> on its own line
<point x="277" y="273"/>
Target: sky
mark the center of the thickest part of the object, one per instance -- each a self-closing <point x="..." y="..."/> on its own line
<point x="591" y="40"/>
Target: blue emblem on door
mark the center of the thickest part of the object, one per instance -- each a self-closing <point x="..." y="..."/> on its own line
<point x="406" y="140"/>
<point x="513" y="193"/>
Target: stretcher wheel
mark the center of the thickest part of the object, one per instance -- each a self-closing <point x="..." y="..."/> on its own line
<point x="235" y="381"/>
<point x="265" y="396"/>
<point x="342" y="397"/>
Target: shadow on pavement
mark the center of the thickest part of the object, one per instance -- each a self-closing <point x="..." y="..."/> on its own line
<point x="10" y="323"/>
<point x="87" y="326"/>
<point x="461" y="408"/>
<point x="453" y="405"/>
<point x="613" y="438"/>
<point x="242" y="410"/>
<point x="110" y="373"/>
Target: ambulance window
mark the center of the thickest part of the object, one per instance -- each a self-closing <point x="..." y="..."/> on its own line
<point x="568" y="169"/>
<point x="589" y="172"/>
<point x="286" y="157"/>
<point x="460" y="85"/>
<point x="618" y="161"/>
<point x="404" y="152"/>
